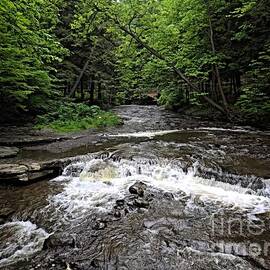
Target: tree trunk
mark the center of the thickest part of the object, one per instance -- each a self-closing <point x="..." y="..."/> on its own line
<point x="237" y="83"/>
<point x="224" y="101"/>
<point x="91" y="89"/>
<point x="155" y="53"/>
<point x="82" y="90"/>
<point x="161" y="57"/>
<point x="99" y="93"/>
<point x="79" y="78"/>
<point x="111" y="91"/>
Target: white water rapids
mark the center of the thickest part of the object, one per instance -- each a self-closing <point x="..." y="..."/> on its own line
<point x="22" y="239"/>
<point x="93" y="184"/>
<point x="96" y="185"/>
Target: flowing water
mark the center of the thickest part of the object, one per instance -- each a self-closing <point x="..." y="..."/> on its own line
<point x="162" y="194"/>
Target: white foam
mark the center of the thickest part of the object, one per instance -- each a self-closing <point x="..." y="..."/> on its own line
<point x="98" y="190"/>
<point x="237" y="129"/>
<point x="147" y="134"/>
<point x="22" y="239"/>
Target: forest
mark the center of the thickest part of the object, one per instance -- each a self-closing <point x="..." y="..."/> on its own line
<point x="134" y="134"/>
<point x="60" y="57"/>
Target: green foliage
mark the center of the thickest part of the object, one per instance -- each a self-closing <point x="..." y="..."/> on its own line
<point x="72" y="117"/>
<point x="27" y="49"/>
<point x="121" y="98"/>
<point x="254" y="104"/>
<point x="171" y="98"/>
<point x="179" y="30"/>
<point x="255" y="99"/>
<point x="46" y="43"/>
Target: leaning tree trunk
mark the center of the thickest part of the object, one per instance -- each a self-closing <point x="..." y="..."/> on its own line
<point x="224" y="101"/>
<point x="173" y="67"/>
<point x="128" y="31"/>
<point x="73" y="89"/>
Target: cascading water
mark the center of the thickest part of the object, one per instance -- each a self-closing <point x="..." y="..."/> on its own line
<point x="97" y="183"/>
<point x="159" y="198"/>
<point x="18" y="240"/>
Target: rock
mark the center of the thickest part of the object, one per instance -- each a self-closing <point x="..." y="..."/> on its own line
<point x="100" y="225"/>
<point x="74" y="170"/>
<point x="120" y="203"/>
<point x="257" y="184"/>
<point x="28" y="140"/>
<point x="95" y="263"/>
<point x="59" y="240"/>
<point x="117" y="214"/>
<point x="41" y="174"/>
<point x="265" y="215"/>
<point x="13" y="172"/>
<point x="8" y="152"/>
<point x="138" y="188"/>
<point x="24" y="172"/>
<point x="141" y="203"/>
<point x="6" y="212"/>
<point x="168" y="195"/>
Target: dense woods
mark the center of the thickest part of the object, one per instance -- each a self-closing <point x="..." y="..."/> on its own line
<point x="201" y="53"/>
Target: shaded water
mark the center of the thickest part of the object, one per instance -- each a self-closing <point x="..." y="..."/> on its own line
<point x="200" y="199"/>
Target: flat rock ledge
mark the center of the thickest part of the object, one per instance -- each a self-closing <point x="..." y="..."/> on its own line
<point x="8" y="152"/>
<point x="32" y="171"/>
<point x="29" y="140"/>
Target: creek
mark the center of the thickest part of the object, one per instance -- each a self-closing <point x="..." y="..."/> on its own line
<point x="157" y="194"/>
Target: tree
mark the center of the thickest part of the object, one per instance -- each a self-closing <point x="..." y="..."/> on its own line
<point x="28" y="49"/>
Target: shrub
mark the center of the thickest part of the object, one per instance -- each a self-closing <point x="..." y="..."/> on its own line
<point x="72" y="117"/>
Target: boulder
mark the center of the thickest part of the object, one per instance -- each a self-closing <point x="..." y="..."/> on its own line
<point x="138" y="188"/>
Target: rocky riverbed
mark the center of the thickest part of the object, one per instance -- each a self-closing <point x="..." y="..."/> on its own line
<point x="162" y="191"/>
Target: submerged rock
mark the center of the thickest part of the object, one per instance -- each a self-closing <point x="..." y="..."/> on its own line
<point x="100" y="225"/>
<point x="5" y="214"/>
<point x="59" y="240"/>
<point x="120" y="203"/>
<point x="8" y="152"/>
<point x="141" y="203"/>
<point x="73" y="170"/>
<point x="100" y="169"/>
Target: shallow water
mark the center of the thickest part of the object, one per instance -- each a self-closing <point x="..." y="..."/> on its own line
<point x="205" y="202"/>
